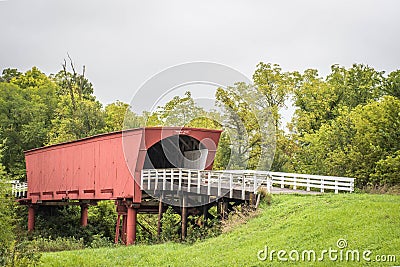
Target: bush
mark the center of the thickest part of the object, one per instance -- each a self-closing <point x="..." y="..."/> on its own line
<point x="211" y="228"/>
<point x="58" y="244"/>
<point x="170" y="226"/>
<point x="387" y="171"/>
<point x="100" y="241"/>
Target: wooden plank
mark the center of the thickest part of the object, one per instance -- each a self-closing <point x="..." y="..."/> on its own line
<point x="198" y="182"/>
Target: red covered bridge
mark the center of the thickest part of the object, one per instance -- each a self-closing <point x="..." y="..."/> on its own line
<point x="108" y="166"/>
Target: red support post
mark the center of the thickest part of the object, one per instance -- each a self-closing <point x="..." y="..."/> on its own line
<point x="131" y="225"/>
<point x="124" y="221"/>
<point x="117" y="229"/>
<point x="31" y="218"/>
<point x="84" y="215"/>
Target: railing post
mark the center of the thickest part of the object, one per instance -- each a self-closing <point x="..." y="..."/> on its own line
<point x="164" y="187"/>
<point x="180" y="180"/>
<point x="231" y="185"/>
<point x="308" y="183"/>
<point x="156" y="184"/>
<point x="219" y="184"/>
<point x="141" y="179"/>
<point x="172" y="180"/>
<point x="255" y="185"/>
<point x="148" y="181"/>
<point x="209" y="184"/>
<point x="198" y="181"/>
<point x="336" y="187"/>
<point x="243" y="187"/>
<point x="189" y="179"/>
<point x="294" y="182"/>
<point x="322" y="185"/>
<point x="352" y="186"/>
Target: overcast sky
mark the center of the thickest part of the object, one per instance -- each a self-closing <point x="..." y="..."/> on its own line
<point x="123" y="43"/>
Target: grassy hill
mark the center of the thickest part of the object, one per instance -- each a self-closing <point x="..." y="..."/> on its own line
<point x="364" y="222"/>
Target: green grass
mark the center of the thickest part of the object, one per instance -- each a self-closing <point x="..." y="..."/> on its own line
<point x="291" y="223"/>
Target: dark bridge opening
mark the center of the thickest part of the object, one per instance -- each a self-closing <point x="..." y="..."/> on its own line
<point x="178" y="151"/>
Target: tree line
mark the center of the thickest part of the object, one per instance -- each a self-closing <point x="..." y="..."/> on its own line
<point x="345" y="124"/>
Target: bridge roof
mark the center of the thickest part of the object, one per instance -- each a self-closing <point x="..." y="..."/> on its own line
<point x="182" y="130"/>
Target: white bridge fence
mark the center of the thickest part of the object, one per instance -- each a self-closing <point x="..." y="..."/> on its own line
<point x="244" y="180"/>
<point x="18" y="189"/>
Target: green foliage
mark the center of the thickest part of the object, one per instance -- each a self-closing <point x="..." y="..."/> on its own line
<point x="275" y="85"/>
<point x="316" y="103"/>
<point x="196" y="232"/>
<point x="387" y="171"/>
<point x="102" y="218"/>
<point x="183" y="111"/>
<point x="99" y="241"/>
<point x="170" y="225"/>
<point x="354" y="143"/>
<point x="286" y="149"/>
<point x="6" y="218"/>
<point x="33" y="78"/>
<point x="320" y="100"/>
<point x="8" y="74"/>
<point x="118" y="116"/>
<point x="64" y="222"/>
<point x="13" y="252"/>
<point x="223" y="154"/>
<point x="25" y="117"/>
<point x="356" y="85"/>
<point x="72" y="122"/>
<point x="57" y="244"/>
<point x="242" y="125"/>
<point x="391" y="84"/>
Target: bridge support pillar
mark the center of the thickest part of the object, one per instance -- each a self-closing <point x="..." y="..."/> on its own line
<point x="131" y="217"/>
<point x="222" y="208"/>
<point x="31" y="218"/>
<point x="128" y="211"/>
<point x="160" y="209"/>
<point x="184" y="217"/>
<point x="84" y="215"/>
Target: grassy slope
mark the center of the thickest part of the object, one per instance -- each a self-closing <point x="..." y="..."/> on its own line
<point x="291" y="222"/>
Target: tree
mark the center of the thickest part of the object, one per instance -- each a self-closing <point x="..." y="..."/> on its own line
<point x="248" y="123"/>
<point x="6" y="217"/>
<point x="33" y="78"/>
<point x="183" y="111"/>
<point x="25" y="116"/>
<point x="387" y="170"/>
<point x="118" y="116"/>
<point x="391" y="85"/>
<point x="360" y="143"/>
<point x="78" y="114"/>
<point x="71" y="123"/>
<point x="8" y="74"/>
<point x="275" y="85"/>
<point x="320" y="100"/>
<point x="356" y="85"/>
<point x="316" y="103"/>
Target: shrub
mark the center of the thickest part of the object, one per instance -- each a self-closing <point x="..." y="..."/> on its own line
<point x="58" y="244"/>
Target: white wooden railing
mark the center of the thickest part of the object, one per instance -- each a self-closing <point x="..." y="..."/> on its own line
<point x="243" y="180"/>
<point x="195" y="180"/>
<point x="19" y="189"/>
<point x="309" y="181"/>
